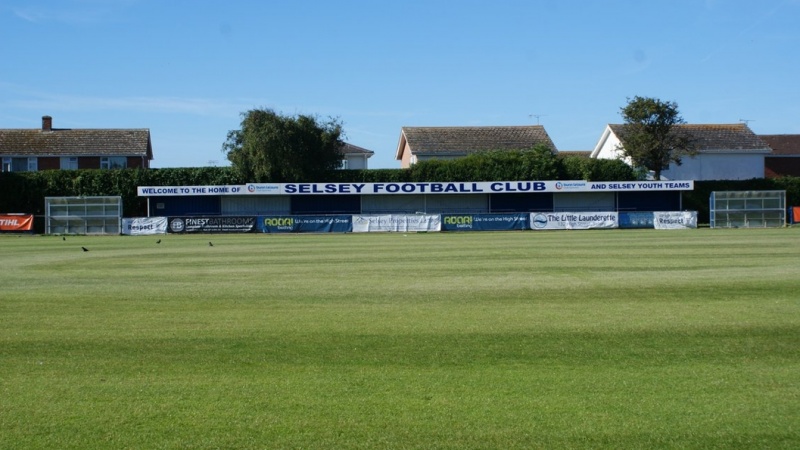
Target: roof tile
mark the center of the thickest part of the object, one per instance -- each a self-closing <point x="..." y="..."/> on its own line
<point x="783" y="144"/>
<point x="714" y="137"/>
<point x="81" y="142"/>
<point x="463" y="140"/>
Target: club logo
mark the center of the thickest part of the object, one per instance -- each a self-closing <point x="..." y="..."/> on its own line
<point x="177" y="225"/>
<point x="539" y="221"/>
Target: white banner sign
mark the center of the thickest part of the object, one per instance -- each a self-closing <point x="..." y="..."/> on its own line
<point x="140" y="226"/>
<point x="673" y="220"/>
<point x="574" y="220"/>
<point x="481" y="187"/>
<point x="397" y="222"/>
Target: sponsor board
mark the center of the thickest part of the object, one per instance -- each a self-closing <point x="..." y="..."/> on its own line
<point x="305" y="224"/>
<point x="636" y="219"/>
<point x="228" y="224"/>
<point x="574" y="220"/>
<point x="674" y="220"/>
<point x="16" y="222"/>
<point x="139" y="226"/>
<point x="396" y="222"/>
<point x="484" y="222"/>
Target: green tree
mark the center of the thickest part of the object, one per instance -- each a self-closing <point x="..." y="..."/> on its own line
<point x="278" y="148"/>
<point x="651" y="138"/>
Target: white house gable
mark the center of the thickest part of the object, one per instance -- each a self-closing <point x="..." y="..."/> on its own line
<point x="724" y="152"/>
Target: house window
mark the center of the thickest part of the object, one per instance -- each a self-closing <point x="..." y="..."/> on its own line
<point x="113" y="162"/>
<point x="69" y="163"/>
<point x="11" y="164"/>
<point x="344" y="164"/>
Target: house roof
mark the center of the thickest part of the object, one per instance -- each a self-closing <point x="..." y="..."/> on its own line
<point x="581" y="153"/>
<point x="782" y="144"/>
<point x="456" y="141"/>
<point x="714" y="138"/>
<point x="350" y="149"/>
<point x="80" y="142"/>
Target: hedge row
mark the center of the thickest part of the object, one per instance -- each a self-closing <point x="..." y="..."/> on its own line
<point x="24" y="192"/>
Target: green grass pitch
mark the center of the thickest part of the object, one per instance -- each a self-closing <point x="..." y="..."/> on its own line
<point x="569" y="339"/>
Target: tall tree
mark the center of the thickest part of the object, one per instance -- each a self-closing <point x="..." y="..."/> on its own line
<point x="651" y="138"/>
<point x="278" y="148"/>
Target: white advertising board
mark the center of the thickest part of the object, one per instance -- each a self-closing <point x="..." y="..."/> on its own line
<point x="396" y="222"/>
<point x="574" y="220"/>
<point x="140" y="226"/>
<point x="674" y="220"/>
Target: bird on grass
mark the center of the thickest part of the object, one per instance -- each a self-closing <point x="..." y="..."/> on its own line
<point x="158" y="241"/>
<point x="85" y="249"/>
<point x="63" y="238"/>
<point x="210" y="244"/>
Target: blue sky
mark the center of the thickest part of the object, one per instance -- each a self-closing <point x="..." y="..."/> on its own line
<point x="188" y="69"/>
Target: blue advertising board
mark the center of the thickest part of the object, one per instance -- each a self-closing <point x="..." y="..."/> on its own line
<point x="305" y="224"/>
<point x="485" y="222"/>
<point x="636" y="220"/>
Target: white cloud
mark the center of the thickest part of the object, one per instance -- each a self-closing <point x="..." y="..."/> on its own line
<point x="76" y="12"/>
<point x="25" y="98"/>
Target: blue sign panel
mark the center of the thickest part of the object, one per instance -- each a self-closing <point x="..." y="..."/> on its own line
<point x="305" y="224"/>
<point x="485" y="222"/>
<point x="636" y="220"/>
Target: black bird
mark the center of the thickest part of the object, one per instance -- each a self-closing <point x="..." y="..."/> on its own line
<point x="158" y="241"/>
<point x="85" y="249"/>
<point x="63" y="238"/>
<point x="210" y="244"/>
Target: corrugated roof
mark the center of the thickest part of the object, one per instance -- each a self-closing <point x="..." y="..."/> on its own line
<point x="463" y="140"/>
<point x="710" y="138"/>
<point x="81" y="142"/>
<point x="782" y="144"/>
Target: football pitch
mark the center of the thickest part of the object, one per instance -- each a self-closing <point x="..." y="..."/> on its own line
<point x="566" y="339"/>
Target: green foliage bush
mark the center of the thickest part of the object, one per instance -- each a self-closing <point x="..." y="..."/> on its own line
<point x="25" y="192"/>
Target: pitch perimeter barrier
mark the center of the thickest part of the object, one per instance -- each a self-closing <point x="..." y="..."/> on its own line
<point x="485" y="222"/>
<point x="367" y="223"/>
<point x="305" y="224"/>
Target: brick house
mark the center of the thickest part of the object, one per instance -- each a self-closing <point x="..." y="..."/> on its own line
<point x="785" y="157"/>
<point x="48" y="148"/>
<point x="424" y="143"/>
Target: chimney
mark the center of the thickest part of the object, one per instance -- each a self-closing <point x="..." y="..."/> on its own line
<point x="47" y="123"/>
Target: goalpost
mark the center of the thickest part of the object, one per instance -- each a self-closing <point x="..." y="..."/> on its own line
<point x="747" y="209"/>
